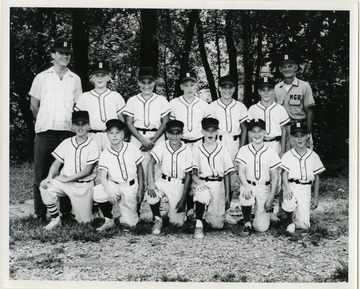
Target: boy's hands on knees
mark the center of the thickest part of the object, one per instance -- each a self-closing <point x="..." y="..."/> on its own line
<point x="269" y="205"/>
<point x="46" y="183"/>
<point x="314" y="203"/>
<point x="151" y="193"/>
<point x="113" y="199"/>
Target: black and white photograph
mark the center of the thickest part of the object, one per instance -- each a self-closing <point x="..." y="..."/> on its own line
<point x="161" y="142"/>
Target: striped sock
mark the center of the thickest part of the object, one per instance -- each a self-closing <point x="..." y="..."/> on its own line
<point x="53" y="210"/>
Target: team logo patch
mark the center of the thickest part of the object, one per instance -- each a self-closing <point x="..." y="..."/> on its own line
<point x="65" y="44"/>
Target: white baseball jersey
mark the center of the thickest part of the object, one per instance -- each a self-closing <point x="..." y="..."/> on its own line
<point x="229" y="116"/>
<point x="275" y="116"/>
<point x="258" y="163"/>
<point x="302" y="168"/>
<point x="174" y="164"/>
<point x="215" y="164"/>
<point x="121" y="166"/>
<point x="190" y="114"/>
<point x="101" y="107"/>
<point x="76" y="157"/>
<point x="147" y="113"/>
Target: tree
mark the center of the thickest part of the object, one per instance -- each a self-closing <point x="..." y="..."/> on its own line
<point x="148" y="43"/>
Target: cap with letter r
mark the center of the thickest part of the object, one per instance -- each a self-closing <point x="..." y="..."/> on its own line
<point x="209" y="122"/>
<point x="115" y="123"/>
<point x="100" y="66"/>
<point x="62" y="45"/>
<point x="266" y="81"/>
<point x="288" y="58"/>
<point x="188" y="75"/>
<point x="174" y="125"/>
<point x="80" y="115"/>
<point x="298" y="126"/>
<point x="256" y="122"/>
<point x="227" y="79"/>
<point x="147" y="73"/>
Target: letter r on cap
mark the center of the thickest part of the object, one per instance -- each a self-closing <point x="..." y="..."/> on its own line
<point x="100" y="65"/>
<point x="187" y="74"/>
<point x="65" y="44"/>
<point x="286" y="57"/>
<point x="298" y="124"/>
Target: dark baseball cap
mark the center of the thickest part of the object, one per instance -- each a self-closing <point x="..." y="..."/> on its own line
<point x="298" y="126"/>
<point x="172" y="125"/>
<point x="209" y="122"/>
<point x="115" y="123"/>
<point x="147" y="73"/>
<point x="188" y="75"/>
<point x="266" y="81"/>
<point x="81" y="115"/>
<point x="256" y="122"/>
<point x="287" y="58"/>
<point x="228" y="79"/>
<point x="100" y="67"/>
<point x="62" y="45"/>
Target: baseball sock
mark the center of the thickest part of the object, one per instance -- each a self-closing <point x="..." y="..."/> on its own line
<point x="246" y="211"/>
<point x="189" y="203"/>
<point x="200" y="209"/>
<point x="53" y="210"/>
<point x="106" y="209"/>
<point x="289" y="217"/>
<point x="155" y="209"/>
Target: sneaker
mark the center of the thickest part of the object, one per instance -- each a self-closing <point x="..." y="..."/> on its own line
<point x="55" y="222"/>
<point x="156" y="230"/>
<point x="274" y="218"/>
<point x="247" y="230"/>
<point x="229" y="219"/>
<point x="290" y="228"/>
<point x="109" y="223"/>
<point x="199" y="233"/>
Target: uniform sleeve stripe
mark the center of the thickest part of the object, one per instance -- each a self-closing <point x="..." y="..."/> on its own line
<point x="318" y="171"/>
<point x="232" y="169"/>
<point x="156" y="158"/>
<point x="119" y="110"/>
<point x="189" y="169"/>
<point x="208" y="115"/>
<point x="311" y="104"/>
<point x="57" y="157"/>
<point x="285" y="121"/>
<point x="195" y="167"/>
<point x="241" y="161"/>
<point x="92" y="161"/>
<point x="165" y="113"/>
<point x="243" y="119"/>
<point x="76" y="108"/>
<point x="139" y="160"/>
<point x="275" y="166"/>
<point x="128" y="113"/>
<point x="103" y="168"/>
<point x="285" y="168"/>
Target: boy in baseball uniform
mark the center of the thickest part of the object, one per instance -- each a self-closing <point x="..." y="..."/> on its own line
<point x="190" y="109"/>
<point x="121" y="178"/>
<point x="78" y="156"/>
<point x="146" y="115"/>
<point x="231" y="115"/>
<point x="211" y="176"/>
<point x="175" y="160"/>
<point x="258" y="173"/>
<point x="101" y="103"/>
<point x="301" y="168"/>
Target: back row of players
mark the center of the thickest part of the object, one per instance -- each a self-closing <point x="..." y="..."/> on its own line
<point x="201" y="152"/>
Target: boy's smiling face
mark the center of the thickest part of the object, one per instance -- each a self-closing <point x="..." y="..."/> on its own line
<point x="266" y="93"/>
<point x="174" y="136"/>
<point x="210" y="134"/>
<point x="115" y="135"/>
<point x="146" y="86"/>
<point x="189" y="88"/>
<point x="300" y="139"/>
<point x="100" y="79"/>
<point x="257" y="134"/>
<point x="227" y="91"/>
<point x="81" y="128"/>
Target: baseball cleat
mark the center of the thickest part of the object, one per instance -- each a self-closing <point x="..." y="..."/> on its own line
<point x="229" y="219"/>
<point x="199" y="233"/>
<point x="156" y="230"/>
<point x="109" y="223"/>
<point x="290" y="228"/>
<point x="55" y="222"/>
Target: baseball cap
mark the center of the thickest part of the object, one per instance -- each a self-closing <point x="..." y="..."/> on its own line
<point x="115" y="122"/>
<point x="147" y="73"/>
<point x="209" y="122"/>
<point x="81" y="115"/>
<point x="100" y="67"/>
<point x="287" y="58"/>
<point x="62" y="45"/>
<point x="228" y="79"/>
<point x="298" y="126"/>
<point x="172" y="125"/>
<point x="266" y="81"/>
<point x="256" y="122"/>
<point x="188" y="75"/>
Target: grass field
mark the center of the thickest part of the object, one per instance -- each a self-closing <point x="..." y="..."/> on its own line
<point x="319" y="255"/>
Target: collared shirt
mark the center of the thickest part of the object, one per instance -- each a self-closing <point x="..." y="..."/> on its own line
<point x="296" y="100"/>
<point x="258" y="163"/>
<point x="174" y="163"/>
<point x="302" y="168"/>
<point x="275" y="116"/>
<point x="101" y="107"/>
<point x="57" y="98"/>
<point x="190" y="114"/>
<point x="212" y="164"/>
<point x="121" y="165"/>
<point x="229" y="116"/>
<point x="76" y="157"/>
<point x="147" y="113"/>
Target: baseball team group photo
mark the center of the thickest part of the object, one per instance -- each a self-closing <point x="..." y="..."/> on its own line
<point x="179" y="145"/>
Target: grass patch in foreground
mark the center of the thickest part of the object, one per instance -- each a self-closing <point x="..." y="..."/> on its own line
<point x="21" y="182"/>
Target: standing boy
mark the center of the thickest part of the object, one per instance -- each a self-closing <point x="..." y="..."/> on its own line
<point x="121" y="177"/>
<point x="258" y="172"/>
<point x="211" y="177"/>
<point x="53" y="94"/>
<point x="301" y="168"/>
<point x="101" y="103"/>
<point x="78" y="156"/>
<point x="175" y="160"/>
<point x="232" y="115"/>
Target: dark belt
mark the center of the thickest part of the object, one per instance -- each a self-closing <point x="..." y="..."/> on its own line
<point x="254" y="183"/>
<point x="235" y="137"/>
<point x="96" y="131"/>
<point x="167" y="178"/>
<point x="130" y="183"/>
<point x="278" y="138"/>
<point x="145" y="130"/>
<point x="212" y="179"/>
<point x="299" y="182"/>
<point x="84" y="181"/>
<point x="190" y="140"/>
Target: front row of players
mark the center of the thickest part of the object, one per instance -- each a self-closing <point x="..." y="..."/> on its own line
<point x="204" y="173"/>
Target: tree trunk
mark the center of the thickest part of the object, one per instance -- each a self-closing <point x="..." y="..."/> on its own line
<point x="217" y="43"/>
<point x="80" y="42"/>
<point x="232" y="52"/>
<point x="204" y="59"/>
<point x="149" y="53"/>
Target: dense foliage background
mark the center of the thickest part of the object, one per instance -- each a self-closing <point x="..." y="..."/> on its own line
<point x="244" y="43"/>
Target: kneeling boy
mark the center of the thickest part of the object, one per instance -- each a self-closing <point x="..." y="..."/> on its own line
<point x="121" y="178"/>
